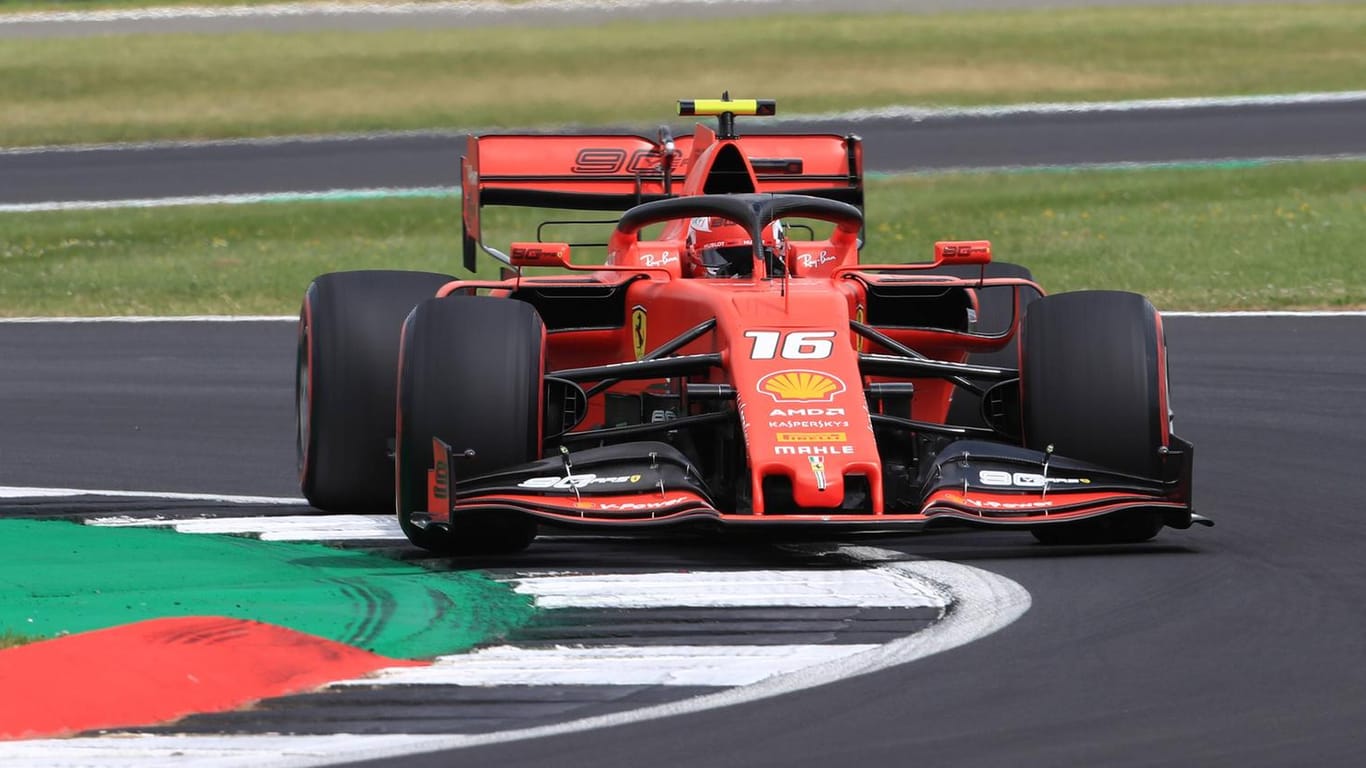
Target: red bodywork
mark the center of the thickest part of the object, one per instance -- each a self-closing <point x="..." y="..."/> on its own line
<point x="795" y="373"/>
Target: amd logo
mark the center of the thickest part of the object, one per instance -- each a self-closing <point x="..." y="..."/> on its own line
<point x="780" y="412"/>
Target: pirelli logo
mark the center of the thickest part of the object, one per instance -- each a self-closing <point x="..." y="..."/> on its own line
<point x="812" y="437"/>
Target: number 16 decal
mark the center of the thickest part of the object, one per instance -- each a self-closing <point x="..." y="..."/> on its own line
<point x="794" y="345"/>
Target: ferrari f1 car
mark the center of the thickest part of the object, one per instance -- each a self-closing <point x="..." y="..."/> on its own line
<point x="725" y="367"/>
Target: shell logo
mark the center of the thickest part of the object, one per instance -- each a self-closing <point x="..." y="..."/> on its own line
<point x="801" y="387"/>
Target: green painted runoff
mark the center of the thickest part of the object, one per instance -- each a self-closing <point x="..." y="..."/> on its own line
<point x="58" y="577"/>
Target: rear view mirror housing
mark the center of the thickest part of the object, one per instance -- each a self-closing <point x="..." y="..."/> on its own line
<point x="962" y="252"/>
<point x="540" y="255"/>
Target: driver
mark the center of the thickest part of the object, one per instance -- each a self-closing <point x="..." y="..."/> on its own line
<point x="720" y="248"/>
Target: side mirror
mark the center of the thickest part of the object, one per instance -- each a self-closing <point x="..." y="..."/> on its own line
<point x="540" y="255"/>
<point x="962" y="252"/>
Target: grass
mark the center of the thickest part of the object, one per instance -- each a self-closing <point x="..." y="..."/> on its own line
<point x="9" y="639"/>
<point x="1278" y="236"/>
<point x="145" y="87"/>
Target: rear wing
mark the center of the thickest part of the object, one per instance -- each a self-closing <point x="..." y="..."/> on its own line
<point x="614" y="172"/>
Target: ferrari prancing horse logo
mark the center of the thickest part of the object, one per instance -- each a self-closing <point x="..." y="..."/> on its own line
<point x="818" y="469"/>
<point x="638" y="330"/>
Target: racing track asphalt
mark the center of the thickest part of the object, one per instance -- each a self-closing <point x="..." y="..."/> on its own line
<point x="1233" y="646"/>
<point x="891" y="144"/>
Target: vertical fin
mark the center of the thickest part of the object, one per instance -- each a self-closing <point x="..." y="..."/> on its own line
<point x="439" y="483"/>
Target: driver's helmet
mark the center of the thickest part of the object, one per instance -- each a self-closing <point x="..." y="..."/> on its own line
<point x="720" y="248"/>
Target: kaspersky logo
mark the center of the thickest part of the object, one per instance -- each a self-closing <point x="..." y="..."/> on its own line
<point x="801" y="387"/>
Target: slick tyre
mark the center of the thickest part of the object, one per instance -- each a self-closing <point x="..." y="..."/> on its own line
<point x="346" y="365"/>
<point x="995" y="310"/>
<point x="1093" y="386"/>
<point x="471" y="374"/>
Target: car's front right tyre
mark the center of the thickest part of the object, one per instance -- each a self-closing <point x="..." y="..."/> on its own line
<point x="471" y="374"/>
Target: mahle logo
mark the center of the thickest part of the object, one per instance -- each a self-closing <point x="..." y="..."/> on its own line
<point x="801" y="387"/>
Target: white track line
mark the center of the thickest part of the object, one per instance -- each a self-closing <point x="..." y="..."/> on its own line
<point x="696" y="665"/>
<point x="331" y="195"/>
<point x="260" y="141"/>
<point x="281" y="528"/>
<point x="1216" y="163"/>
<point x="20" y="492"/>
<point x="917" y="113"/>
<point x="711" y="589"/>
<point x="1273" y="313"/>
<point x="153" y="319"/>
<point x="317" y="527"/>
<point x="280" y="10"/>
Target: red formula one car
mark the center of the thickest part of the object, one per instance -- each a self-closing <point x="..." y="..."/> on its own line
<point x="725" y="367"/>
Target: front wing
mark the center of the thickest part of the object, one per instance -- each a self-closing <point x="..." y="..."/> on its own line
<point x="973" y="483"/>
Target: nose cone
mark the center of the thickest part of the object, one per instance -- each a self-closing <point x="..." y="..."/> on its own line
<point x="801" y="400"/>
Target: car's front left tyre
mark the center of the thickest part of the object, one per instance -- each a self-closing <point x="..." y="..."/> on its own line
<point x="1093" y="387"/>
